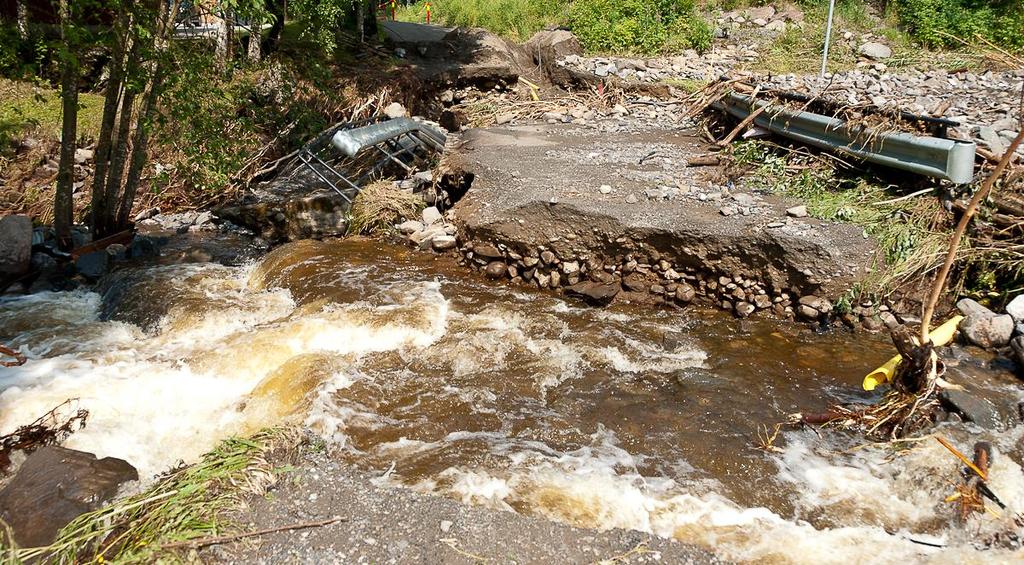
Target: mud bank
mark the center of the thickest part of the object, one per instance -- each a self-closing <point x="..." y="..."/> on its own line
<point x="555" y="205"/>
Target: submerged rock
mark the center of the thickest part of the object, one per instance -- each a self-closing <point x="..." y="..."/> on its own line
<point x="54" y="486"/>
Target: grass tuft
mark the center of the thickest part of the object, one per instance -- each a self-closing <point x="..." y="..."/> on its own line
<point x="380" y="206"/>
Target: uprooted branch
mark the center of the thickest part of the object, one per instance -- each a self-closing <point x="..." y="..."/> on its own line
<point x="49" y="429"/>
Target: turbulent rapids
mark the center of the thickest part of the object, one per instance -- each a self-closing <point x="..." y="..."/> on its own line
<point x="603" y="418"/>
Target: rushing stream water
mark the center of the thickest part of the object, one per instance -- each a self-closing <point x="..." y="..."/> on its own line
<point x="618" y="417"/>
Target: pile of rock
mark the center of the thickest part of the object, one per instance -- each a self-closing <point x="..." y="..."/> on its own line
<point x="984" y="328"/>
<point x="431" y="231"/>
<point x="765" y="17"/>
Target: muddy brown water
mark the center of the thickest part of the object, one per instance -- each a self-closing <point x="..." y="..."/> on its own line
<point x="495" y="395"/>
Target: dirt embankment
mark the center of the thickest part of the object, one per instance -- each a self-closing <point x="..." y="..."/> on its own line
<point x="618" y="215"/>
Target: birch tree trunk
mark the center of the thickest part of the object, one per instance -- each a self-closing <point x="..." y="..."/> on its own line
<point x="111" y="102"/>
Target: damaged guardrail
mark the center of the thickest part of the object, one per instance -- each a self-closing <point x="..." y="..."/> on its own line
<point x="950" y="159"/>
<point x="347" y="156"/>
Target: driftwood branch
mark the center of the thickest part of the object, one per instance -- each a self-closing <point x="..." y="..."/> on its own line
<point x="203" y="542"/>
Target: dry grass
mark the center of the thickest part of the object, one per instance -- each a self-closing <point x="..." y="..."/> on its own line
<point x="380" y="206"/>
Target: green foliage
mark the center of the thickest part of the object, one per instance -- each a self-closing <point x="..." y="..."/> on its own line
<point x="514" y="19"/>
<point x="948" y="23"/>
<point x="323" y="19"/>
<point x="29" y="107"/>
<point x="902" y="230"/>
<point x="639" y="26"/>
<point x="690" y="33"/>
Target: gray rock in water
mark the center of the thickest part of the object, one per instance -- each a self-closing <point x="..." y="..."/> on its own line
<point x="56" y="485"/>
<point x="685" y="293"/>
<point x="744" y="309"/>
<point x="593" y="292"/>
<point x="1016" y="309"/>
<point x="986" y="330"/>
<point x="431" y="215"/>
<point x="970" y="408"/>
<point x="93" y="265"/>
<point x="968" y="306"/>
<point x="1017" y="351"/>
<point x="496" y="270"/>
<point x="15" y="245"/>
<point x="874" y="50"/>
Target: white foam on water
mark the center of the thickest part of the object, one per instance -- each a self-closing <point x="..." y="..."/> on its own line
<point x="158" y="399"/>
<point x="599" y="486"/>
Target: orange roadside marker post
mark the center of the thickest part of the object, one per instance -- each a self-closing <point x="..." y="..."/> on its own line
<point x="428" y="12"/>
<point x="394" y="5"/>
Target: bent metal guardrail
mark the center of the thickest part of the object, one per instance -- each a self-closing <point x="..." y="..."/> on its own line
<point x="950" y="159"/>
<point x="401" y="143"/>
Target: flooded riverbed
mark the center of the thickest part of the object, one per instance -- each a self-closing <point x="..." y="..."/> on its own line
<point x="619" y="417"/>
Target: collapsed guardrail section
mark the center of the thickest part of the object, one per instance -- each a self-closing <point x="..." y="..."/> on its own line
<point x="950" y="159"/>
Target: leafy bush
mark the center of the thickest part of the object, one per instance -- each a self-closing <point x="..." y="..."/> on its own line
<point x="638" y="26"/>
<point x="690" y="33"/>
<point x="944" y="23"/>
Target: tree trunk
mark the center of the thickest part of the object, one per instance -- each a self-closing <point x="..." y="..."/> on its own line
<point x="63" y="213"/>
<point x="360" y="20"/>
<point x="277" y="10"/>
<point x="145" y="114"/>
<point x="111" y="100"/>
<point x="115" y="175"/>
<point x="223" y="51"/>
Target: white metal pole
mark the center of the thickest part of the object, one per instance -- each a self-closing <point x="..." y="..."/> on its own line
<point x="828" y="37"/>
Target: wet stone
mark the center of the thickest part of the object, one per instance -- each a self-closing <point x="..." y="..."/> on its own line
<point x="593" y="292"/>
<point x="986" y="330"/>
<point x="54" y="486"/>
<point x="496" y="270"/>
<point x="970" y="408"/>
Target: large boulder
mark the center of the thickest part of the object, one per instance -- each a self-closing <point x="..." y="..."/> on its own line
<point x="1016" y="309"/>
<point x="1017" y="352"/>
<point x="876" y="51"/>
<point x="986" y="330"/>
<point x="54" y="486"/>
<point x="15" y="246"/>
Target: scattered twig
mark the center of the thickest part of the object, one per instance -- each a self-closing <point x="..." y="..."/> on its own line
<point x="454" y="545"/>
<point x="19" y="359"/>
<point x="203" y="542"/>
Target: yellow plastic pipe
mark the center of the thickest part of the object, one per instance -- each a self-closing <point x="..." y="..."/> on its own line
<point x="939" y="336"/>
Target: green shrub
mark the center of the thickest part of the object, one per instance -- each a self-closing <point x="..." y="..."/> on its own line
<point x="639" y="26"/>
<point x="690" y="33"/>
<point x="945" y="23"/>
